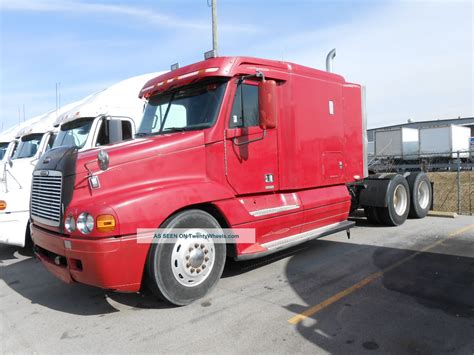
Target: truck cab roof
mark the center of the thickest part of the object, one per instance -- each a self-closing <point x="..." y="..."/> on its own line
<point x="229" y="67"/>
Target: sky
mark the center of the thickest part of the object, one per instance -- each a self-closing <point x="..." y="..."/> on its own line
<point x="414" y="57"/>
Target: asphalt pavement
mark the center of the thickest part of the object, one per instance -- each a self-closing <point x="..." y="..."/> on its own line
<point x="402" y="290"/>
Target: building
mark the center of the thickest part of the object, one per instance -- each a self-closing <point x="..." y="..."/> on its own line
<point x="468" y="121"/>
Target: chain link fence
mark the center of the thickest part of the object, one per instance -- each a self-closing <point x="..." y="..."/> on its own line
<point x="451" y="175"/>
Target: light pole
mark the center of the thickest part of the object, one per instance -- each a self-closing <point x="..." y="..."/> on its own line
<point x="214" y="25"/>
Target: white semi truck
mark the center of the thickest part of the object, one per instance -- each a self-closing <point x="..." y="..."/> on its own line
<point x="106" y="117"/>
<point x="15" y="186"/>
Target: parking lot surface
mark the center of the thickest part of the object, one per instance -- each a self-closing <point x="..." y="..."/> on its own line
<point x="408" y="289"/>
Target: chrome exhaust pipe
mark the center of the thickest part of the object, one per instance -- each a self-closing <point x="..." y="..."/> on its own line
<point x="329" y="60"/>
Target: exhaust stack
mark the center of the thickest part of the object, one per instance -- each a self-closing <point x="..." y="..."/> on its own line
<point x="329" y="60"/>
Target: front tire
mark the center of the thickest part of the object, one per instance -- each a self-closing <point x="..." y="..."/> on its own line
<point x="398" y="202"/>
<point x="184" y="270"/>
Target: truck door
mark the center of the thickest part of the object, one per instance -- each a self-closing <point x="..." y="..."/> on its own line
<point x="251" y="154"/>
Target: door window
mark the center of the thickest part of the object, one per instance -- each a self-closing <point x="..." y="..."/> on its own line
<point x="245" y="107"/>
<point x="104" y="138"/>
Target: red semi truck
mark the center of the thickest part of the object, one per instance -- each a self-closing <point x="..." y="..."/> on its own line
<point x="228" y="142"/>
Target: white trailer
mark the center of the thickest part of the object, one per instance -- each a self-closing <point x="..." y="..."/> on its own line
<point x="397" y="143"/>
<point x="445" y="141"/>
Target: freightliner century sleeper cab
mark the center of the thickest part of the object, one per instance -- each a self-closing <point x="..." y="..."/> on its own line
<point x="108" y="116"/>
<point x="30" y="143"/>
<point x="229" y="142"/>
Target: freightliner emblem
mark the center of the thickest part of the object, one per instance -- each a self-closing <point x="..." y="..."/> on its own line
<point x="44" y="172"/>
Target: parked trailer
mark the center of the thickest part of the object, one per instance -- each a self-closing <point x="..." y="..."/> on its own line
<point x="445" y="141"/>
<point x="229" y="142"/>
<point x="399" y="143"/>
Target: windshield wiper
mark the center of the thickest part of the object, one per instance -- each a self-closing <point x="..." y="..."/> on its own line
<point x="141" y="134"/>
<point x="174" y="129"/>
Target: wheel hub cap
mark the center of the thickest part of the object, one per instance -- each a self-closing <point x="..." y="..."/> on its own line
<point x="192" y="259"/>
<point x="196" y="258"/>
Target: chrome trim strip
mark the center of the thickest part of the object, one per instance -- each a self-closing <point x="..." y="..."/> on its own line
<point x="272" y="210"/>
<point x="296" y="239"/>
<point x="50" y="173"/>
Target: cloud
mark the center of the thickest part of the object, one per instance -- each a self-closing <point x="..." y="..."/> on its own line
<point x="151" y="17"/>
<point x="415" y="58"/>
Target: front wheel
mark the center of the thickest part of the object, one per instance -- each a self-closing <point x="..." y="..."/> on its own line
<point x="184" y="270"/>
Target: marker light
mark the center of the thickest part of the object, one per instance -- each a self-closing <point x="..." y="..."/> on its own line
<point x="70" y="224"/>
<point x="106" y="223"/>
<point x="3" y="205"/>
<point x="85" y="223"/>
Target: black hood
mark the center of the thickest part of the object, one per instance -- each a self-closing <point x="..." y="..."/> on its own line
<point x="61" y="159"/>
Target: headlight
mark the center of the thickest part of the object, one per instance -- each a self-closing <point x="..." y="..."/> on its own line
<point x="85" y="223"/>
<point x="70" y="224"/>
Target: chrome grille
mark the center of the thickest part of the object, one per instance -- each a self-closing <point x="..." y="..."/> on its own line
<point x="46" y="197"/>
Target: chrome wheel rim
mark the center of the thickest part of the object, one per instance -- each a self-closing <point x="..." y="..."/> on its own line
<point x="400" y="200"/>
<point x="192" y="259"/>
<point x="423" y="194"/>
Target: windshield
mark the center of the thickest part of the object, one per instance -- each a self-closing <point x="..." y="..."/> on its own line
<point x="3" y="149"/>
<point x="28" y="146"/>
<point x="74" y="133"/>
<point x="193" y="107"/>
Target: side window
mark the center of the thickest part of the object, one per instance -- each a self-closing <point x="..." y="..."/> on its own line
<point x="245" y="107"/>
<point x="126" y="130"/>
<point x="104" y="136"/>
<point x="51" y="139"/>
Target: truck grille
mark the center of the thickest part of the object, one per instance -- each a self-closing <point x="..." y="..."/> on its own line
<point x="46" y="197"/>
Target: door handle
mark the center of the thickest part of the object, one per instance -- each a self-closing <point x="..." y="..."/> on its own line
<point x="237" y="143"/>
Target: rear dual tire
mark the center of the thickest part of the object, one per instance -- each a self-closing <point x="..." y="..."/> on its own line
<point x="398" y="204"/>
<point x="420" y="193"/>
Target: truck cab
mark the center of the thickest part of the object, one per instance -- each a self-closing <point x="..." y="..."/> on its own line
<point x="83" y="125"/>
<point x="106" y="117"/>
<point x="229" y="143"/>
<point x="29" y="144"/>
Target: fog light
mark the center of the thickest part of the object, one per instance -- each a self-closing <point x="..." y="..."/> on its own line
<point x="70" y="224"/>
<point x="105" y="223"/>
<point x="3" y="205"/>
<point x="85" y="223"/>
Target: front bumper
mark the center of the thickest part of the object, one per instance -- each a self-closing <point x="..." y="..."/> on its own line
<point x="13" y="227"/>
<point x="110" y="263"/>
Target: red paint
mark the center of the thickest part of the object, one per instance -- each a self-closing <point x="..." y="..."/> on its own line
<point x="311" y="154"/>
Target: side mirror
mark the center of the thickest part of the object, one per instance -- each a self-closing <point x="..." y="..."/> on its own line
<point x="268" y="104"/>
